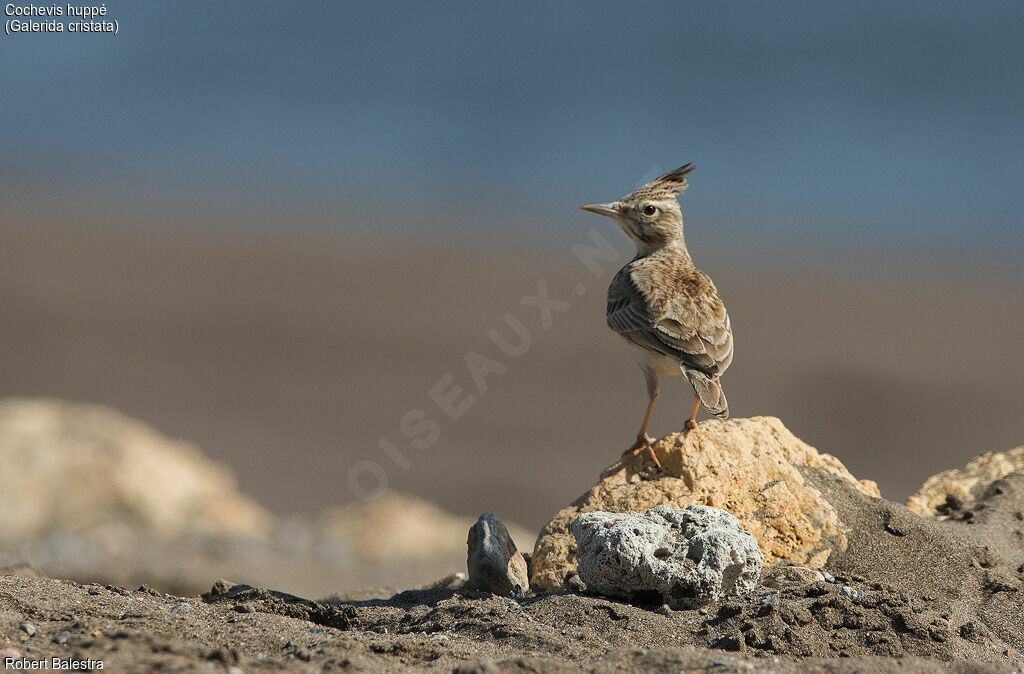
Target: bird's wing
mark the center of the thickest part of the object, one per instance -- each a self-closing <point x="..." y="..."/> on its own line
<point x="687" y="322"/>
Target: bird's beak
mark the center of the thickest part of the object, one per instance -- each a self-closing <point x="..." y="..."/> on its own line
<point x="602" y="209"/>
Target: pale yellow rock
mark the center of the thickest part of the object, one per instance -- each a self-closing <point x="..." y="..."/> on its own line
<point x="965" y="482"/>
<point x="749" y="467"/>
<point x="77" y="467"/>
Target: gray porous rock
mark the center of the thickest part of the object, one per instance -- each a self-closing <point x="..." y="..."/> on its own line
<point x="685" y="558"/>
<point x="495" y="565"/>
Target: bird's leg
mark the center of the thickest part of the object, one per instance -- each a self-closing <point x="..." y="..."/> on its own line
<point x="642" y="439"/>
<point x="691" y="423"/>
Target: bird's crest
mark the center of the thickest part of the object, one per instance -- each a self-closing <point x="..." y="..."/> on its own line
<point x="671" y="183"/>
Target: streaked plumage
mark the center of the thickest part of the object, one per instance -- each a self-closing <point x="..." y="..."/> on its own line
<point x="662" y="305"/>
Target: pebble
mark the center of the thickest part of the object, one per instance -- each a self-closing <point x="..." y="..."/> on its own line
<point x="851" y="593"/>
<point x="62" y="637"/>
<point x="440" y="638"/>
<point x="94" y="591"/>
<point x="829" y="578"/>
<point x="28" y="628"/>
<point x="178" y="607"/>
<point x="495" y="565"/>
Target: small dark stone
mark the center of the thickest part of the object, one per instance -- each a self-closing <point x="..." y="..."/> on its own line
<point x="62" y="637"/>
<point x="727" y="642"/>
<point x="727" y="611"/>
<point x="494" y="563"/>
<point x="219" y="587"/>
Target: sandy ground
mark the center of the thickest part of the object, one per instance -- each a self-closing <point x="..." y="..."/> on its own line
<point x="255" y="630"/>
<point x="291" y="359"/>
<point x="908" y="595"/>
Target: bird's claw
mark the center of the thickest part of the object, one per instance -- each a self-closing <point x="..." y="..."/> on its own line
<point x="690" y="424"/>
<point x="645" y="441"/>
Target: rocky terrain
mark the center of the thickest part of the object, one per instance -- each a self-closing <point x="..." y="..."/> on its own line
<point x="851" y="582"/>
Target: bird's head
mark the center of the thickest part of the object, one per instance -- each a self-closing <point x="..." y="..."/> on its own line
<point x="650" y="215"/>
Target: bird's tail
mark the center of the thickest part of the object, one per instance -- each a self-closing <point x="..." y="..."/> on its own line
<point x="710" y="392"/>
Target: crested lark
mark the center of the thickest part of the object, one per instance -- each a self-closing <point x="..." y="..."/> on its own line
<point x="665" y="307"/>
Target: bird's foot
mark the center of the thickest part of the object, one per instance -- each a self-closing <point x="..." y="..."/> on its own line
<point x="642" y="440"/>
<point x="645" y="441"/>
<point x="690" y="424"/>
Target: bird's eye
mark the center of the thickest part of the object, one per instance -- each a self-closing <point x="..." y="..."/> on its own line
<point x="649" y="209"/>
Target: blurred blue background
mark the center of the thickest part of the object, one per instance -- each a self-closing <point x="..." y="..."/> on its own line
<point x="835" y="123"/>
